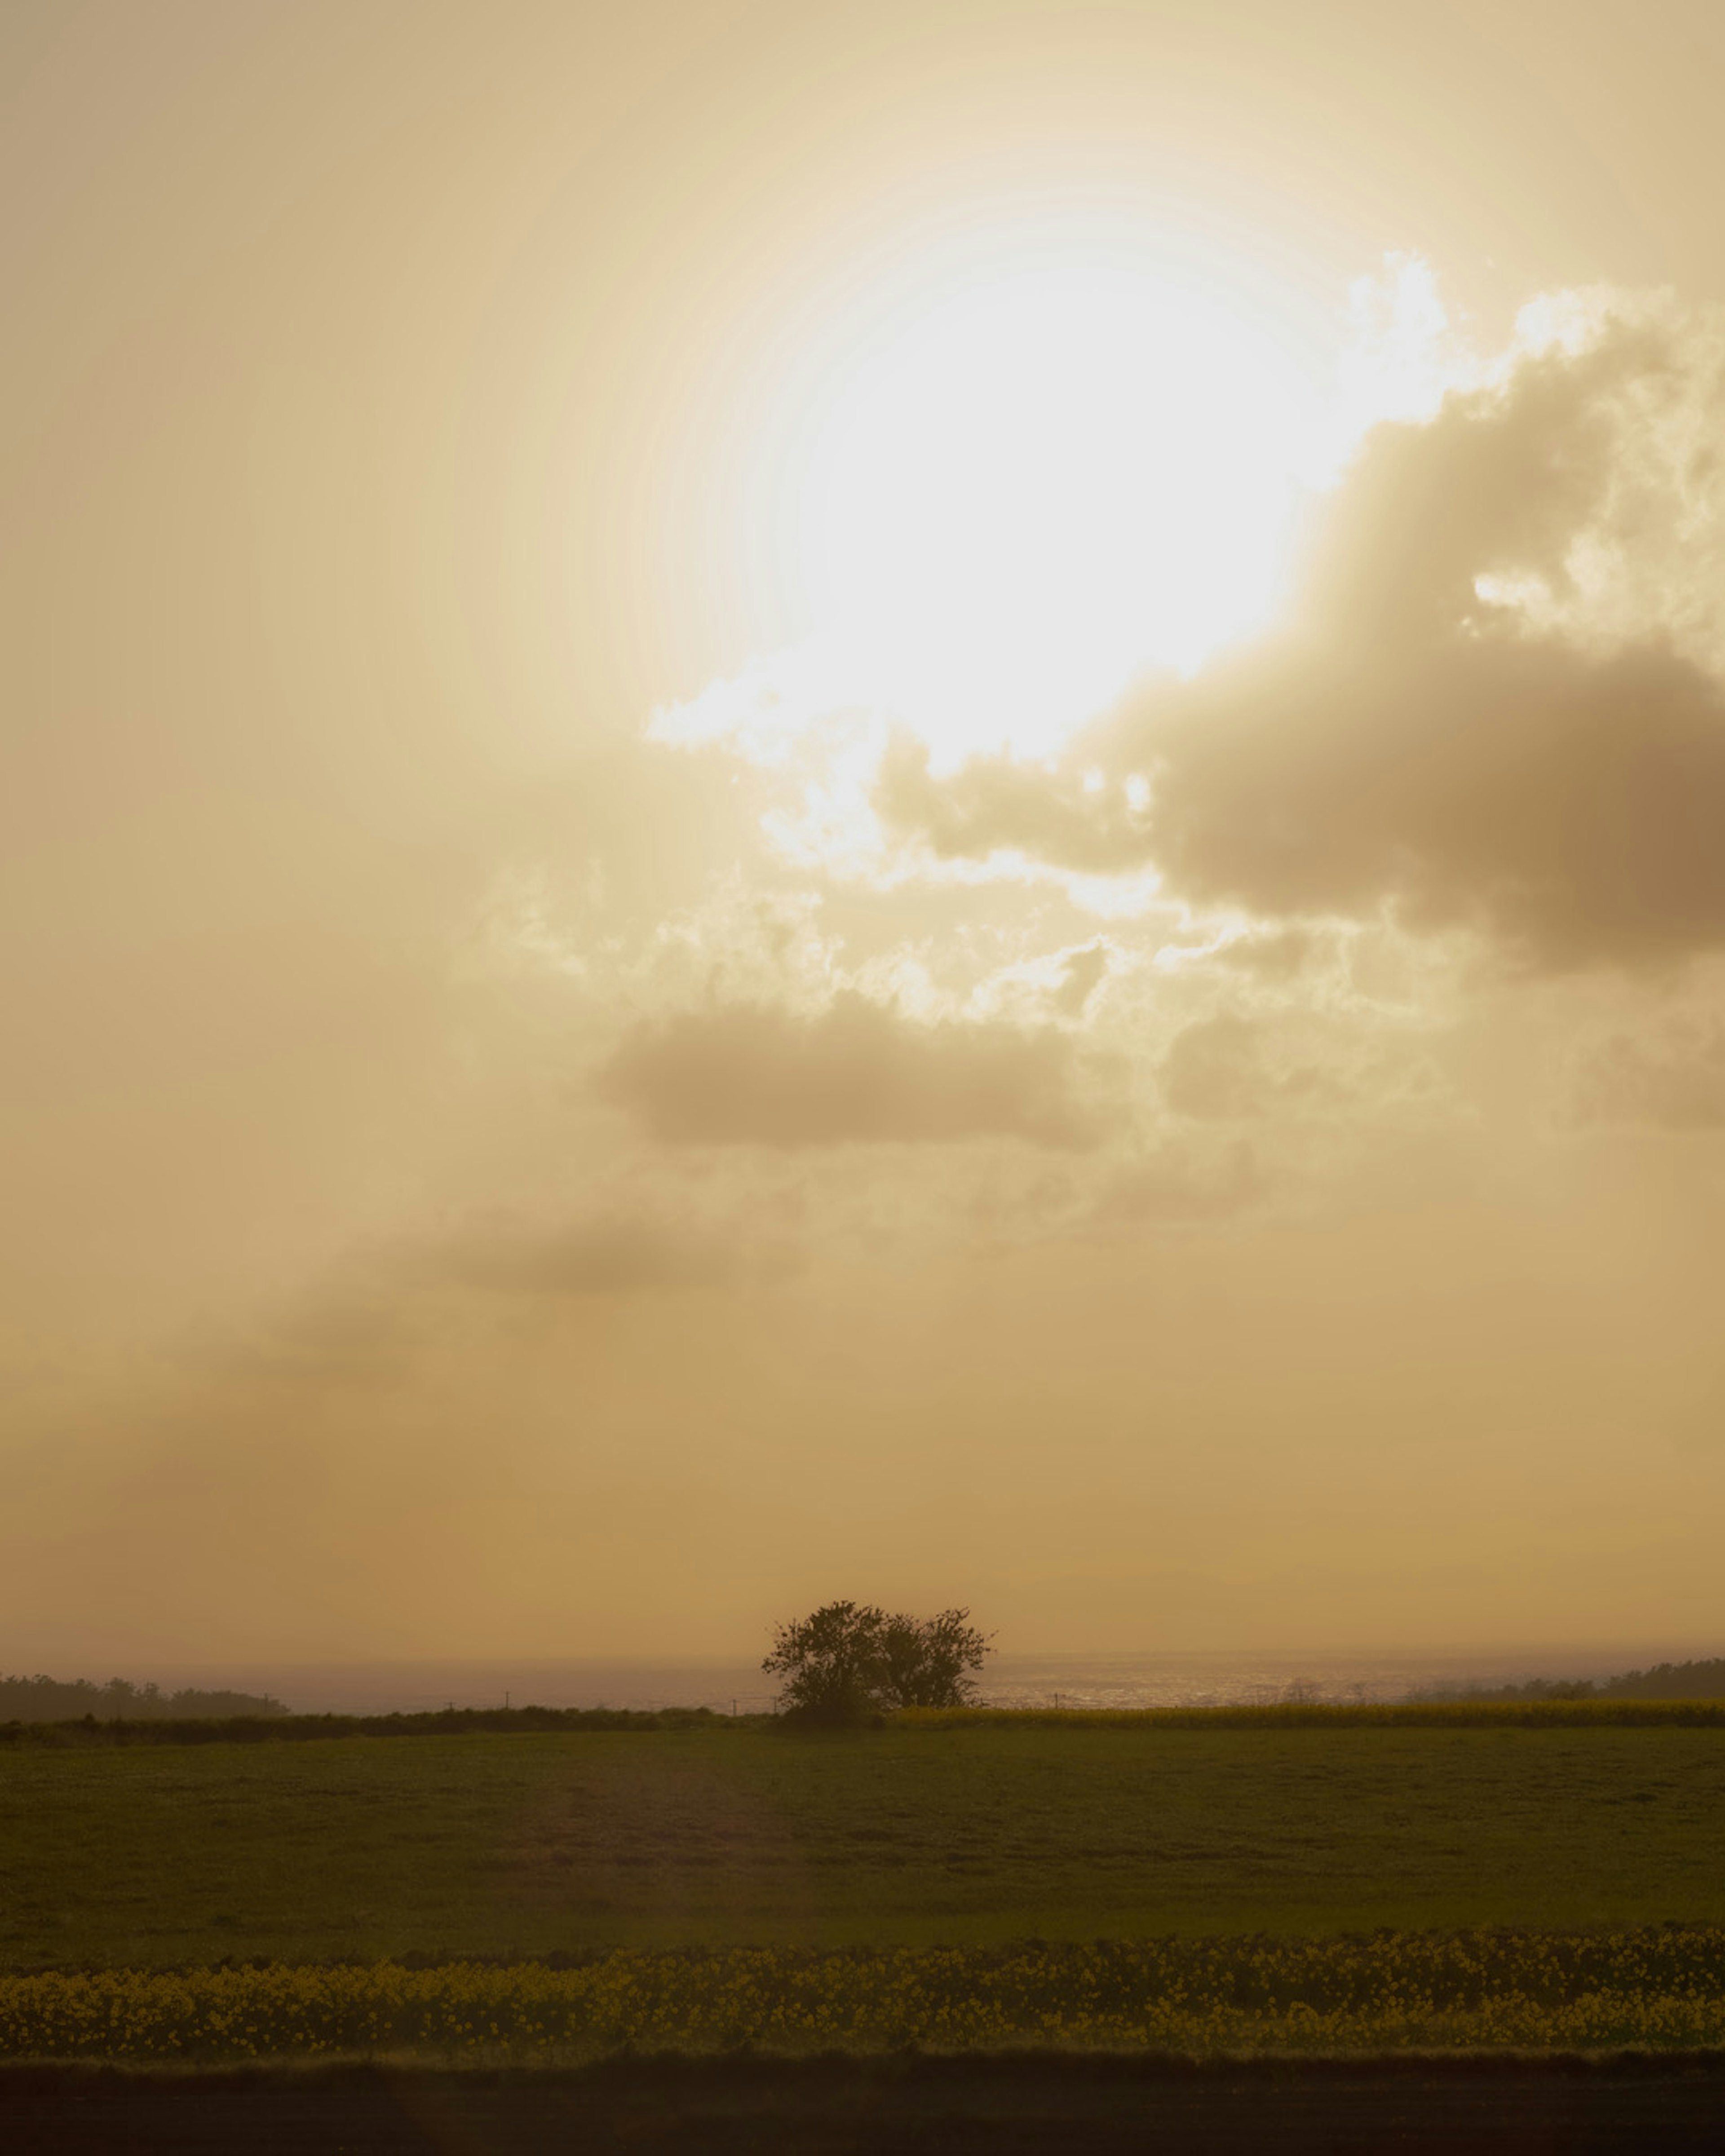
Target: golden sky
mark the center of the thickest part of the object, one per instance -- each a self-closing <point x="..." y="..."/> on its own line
<point x="916" y="801"/>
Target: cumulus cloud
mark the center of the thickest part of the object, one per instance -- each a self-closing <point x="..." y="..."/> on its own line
<point x="750" y="1074"/>
<point x="992" y="804"/>
<point x="1571" y="806"/>
<point x="1443" y="726"/>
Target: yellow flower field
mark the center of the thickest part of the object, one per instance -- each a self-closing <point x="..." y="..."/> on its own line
<point x="1333" y="1714"/>
<point x="1660" y="1988"/>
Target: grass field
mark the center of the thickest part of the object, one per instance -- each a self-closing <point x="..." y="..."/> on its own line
<point x="534" y="1844"/>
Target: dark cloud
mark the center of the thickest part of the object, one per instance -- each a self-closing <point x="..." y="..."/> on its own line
<point x="371" y="1322"/>
<point x="751" y="1075"/>
<point x="1405" y="742"/>
<point x="338" y="1337"/>
<point x="1572" y="806"/>
<point x="1498" y="482"/>
<point x="599" y="1257"/>
<point x="1079" y="982"/>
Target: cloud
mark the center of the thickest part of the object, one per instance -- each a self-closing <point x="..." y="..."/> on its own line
<point x="749" y="1074"/>
<point x="341" y="1335"/>
<point x="1279" y="955"/>
<point x="1214" y="1070"/>
<point x="1078" y="983"/>
<point x="376" y="1317"/>
<point x="611" y="1257"/>
<point x="1676" y="1083"/>
<point x="1442" y="728"/>
<point x="1172" y="1185"/>
<point x="992" y="804"/>
<point x="1571" y="806"/>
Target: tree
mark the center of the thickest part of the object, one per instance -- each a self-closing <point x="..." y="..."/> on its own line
<point x="849" y="1661"/>
<point x="930" y="1662"/>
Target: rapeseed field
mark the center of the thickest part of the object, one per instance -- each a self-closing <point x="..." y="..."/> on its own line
<point x="1449" y="1714"/>
<point x="1660" y="1988"/>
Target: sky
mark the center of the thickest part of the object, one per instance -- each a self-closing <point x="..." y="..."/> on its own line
<point x="921" y="802"/>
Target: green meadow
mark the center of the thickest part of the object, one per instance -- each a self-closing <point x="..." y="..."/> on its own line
<point x="972" y="1835"/>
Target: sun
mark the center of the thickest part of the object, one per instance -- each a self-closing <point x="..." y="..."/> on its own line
<point x="1000" y="479"/>
<point x="1018" y="492"/>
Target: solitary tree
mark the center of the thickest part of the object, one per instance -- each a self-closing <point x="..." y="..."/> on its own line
<point x="849" y="1661"/>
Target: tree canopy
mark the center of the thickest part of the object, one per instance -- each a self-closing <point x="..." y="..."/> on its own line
<point x="849" y="1661"/>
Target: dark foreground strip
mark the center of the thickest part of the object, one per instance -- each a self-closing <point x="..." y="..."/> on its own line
<point x="1024" y="2105"/>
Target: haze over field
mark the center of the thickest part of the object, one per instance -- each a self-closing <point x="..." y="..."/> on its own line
<point x="923" y="803"/>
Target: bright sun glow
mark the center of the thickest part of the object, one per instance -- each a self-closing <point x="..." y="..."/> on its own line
<point x="1042" y="483"/>
<point x="1002" y="484"/>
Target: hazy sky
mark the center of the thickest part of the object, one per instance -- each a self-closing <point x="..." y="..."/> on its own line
<point x="915" y="800"/>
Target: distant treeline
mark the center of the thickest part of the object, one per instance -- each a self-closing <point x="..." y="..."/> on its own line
<point x="278" y="1726"/>
<point x="1467" y="1713"/>
<point x="45" y="1699"/>
<point x="1664" y="1681"/>
<point x="37" y="1710"/>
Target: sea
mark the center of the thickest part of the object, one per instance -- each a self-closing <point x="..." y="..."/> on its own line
<point x="734" y="1686"/>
